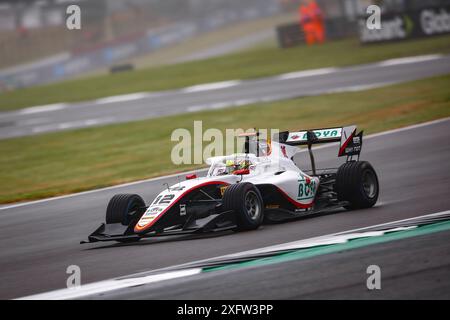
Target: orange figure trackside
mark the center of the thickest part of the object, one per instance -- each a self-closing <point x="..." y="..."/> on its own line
<point x="312" y="22"/>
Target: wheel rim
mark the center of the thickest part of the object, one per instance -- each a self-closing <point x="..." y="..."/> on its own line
<point x="369" y="184"/>
<point x="132" y="209"/>
<point x="252" y="205"/>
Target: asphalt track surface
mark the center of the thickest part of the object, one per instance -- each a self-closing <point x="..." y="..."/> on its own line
<point x="109" y="110"/>
<point x="415" y="268"/>
<point x="38" y="242"/>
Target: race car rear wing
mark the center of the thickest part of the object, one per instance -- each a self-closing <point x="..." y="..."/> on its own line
<point x="350" y="142"/>
<point x="320" y="136"/>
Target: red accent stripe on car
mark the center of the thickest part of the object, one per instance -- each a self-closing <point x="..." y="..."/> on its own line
<point x="139" y="229"/>
<point x="342" y="149"/>
<point x="295" y="203"/>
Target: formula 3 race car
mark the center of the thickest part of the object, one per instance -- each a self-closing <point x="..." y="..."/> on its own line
<point x="241" y="191"/>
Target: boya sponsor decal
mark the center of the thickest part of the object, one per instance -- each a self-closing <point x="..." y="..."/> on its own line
<point x="320" y="134"/>
<point x="306" y="188"/>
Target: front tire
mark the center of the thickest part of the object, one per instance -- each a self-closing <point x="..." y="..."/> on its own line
<point x="246" y="201"/>
<point x="357" y="183"/>
<point x="124" y="208"/>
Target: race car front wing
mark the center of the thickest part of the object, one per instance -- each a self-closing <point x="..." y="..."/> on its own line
<point x="118" y="232"/>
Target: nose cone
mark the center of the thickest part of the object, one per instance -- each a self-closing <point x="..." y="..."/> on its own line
<point x="143" y="224"/>
<point x="149" y="218"/>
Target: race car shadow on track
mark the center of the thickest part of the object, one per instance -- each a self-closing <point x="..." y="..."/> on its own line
<point x="172" y="238"/>
<point x="161" y="239"/>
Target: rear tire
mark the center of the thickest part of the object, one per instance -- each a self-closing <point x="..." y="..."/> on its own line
<point x="357" y="183"/>
<point x="246" y="201"/>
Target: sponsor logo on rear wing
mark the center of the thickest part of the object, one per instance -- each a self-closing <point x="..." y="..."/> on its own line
<point x="350" y="142"/>
<point x="322" y="135"/>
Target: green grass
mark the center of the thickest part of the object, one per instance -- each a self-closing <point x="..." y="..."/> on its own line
<point x="255" y="63"/>
<point x="59" y="163"/>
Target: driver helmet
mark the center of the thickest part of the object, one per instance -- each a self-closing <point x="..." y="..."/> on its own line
<point x="234" y="165"/>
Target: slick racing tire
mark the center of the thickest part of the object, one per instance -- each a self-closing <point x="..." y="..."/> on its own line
<point x="124" y="208"/>
<point x="246" y="201"/>
<point x="357" y="183"/>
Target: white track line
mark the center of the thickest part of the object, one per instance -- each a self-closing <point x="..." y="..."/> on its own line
<point x="290" y="245"/>
<point x="412" y="127"/>
<point x="407" y="60"/>
<point x="353" y="233"/>
<point x="420" y="125"/>
<point x="45" y="108"/>
<point x="110" y="285"/>
<point x="306" y="73"/>
<point x="22" y="204"/>
<point x="222" y="105"/>
<point x="231" y="83"/>
<point x="168" y="273"/>
<point x="361" y="87"/>
<point x="123" y="98"/>
<point x="73" y="124"/>
<point x="211" y="86"/>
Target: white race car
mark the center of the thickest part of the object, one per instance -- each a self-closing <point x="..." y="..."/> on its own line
<point x="241" y="191"/>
